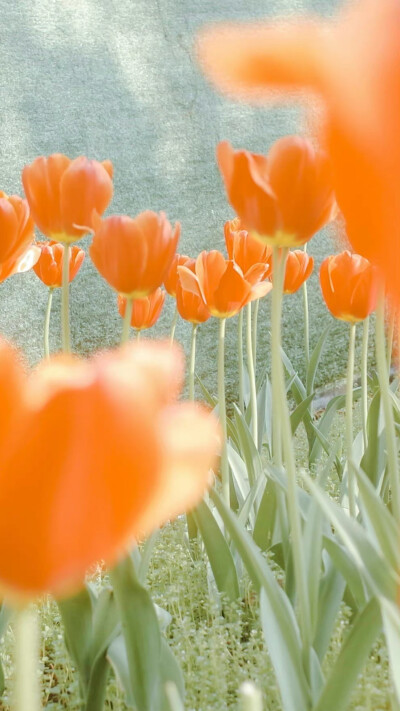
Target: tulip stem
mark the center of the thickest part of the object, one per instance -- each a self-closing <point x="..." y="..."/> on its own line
<point x="192" y="362"/>
<point x="364" y="380"/>
<point x="306" y="320"/>
<point x="390" y="335"/>
<point x="252" y="378"/>
<point x="46" y="345"/>
<point x="255" y="322"/>
<point x="126" y="326"/>
<point x="66" y="342"/>
<point x="173" y="326"/>
<point x="387" y="405"/>
<point x="240" y="360"/>
<point x="284" y="437"/>
<point x="222" y="412"/>
<point x="138" y="334"/>
<point x="349" y="423"/>
<point x="27" y="690"/>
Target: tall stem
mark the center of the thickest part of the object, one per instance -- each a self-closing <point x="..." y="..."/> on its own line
<point x="138" y="334"/>
<point x="387" y="405"/>
<point x="27" y="691"/>
<point x="390" y="333"/>
<point x="46" y="346"/>
<point x="192" y="361"/>
<point x="126" y="326"/>
<point x="252" y="377"/>
<point x="240" y="359"/>
<point x="66" y="342"/>
<point x="364" y="380"/>
<point x="276" y="312"/>
<point x="222" y="411"/>
<point x="255" y="322"/>
<point x="281" y="413"/>
<point x="173" y="325"/>
<point x="349" y="423"/>
<point x="306" y="321"/>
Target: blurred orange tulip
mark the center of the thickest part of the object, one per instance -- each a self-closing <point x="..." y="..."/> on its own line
<point x="171" y="278"/>
<point x="353" y="64"/>
<point x="134" y="254"/>
<point x="220" y="283"/>
<point x="248" y="253"/>
<point x="93" y="453"/>
<point x="49" y="266"/>
<point x="16" y="236"/>
<point x="146" y="311"/>
<point x="62" y="194"/>
<point x="191" y="307"/>
<point x="284" y="198"/>
<point x="349" y="285"/>
<point x="299" y="266"/>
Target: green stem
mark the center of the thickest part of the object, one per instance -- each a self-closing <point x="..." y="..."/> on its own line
<point x="252" y="378"/>
<point x="276" y="357"/>
<point x="387" y="405"/>
<point x="306" y="320"/>
<point x="66" y="342"/>
<point x="240" y="360"/>
<point x="349" y="423"/>
<point x="192" y="362"/>
<point x="173" y="325"/>
<point x="27" y="691"/>
<point x="222" y="412"/>
<point x="390" y="335"/>
<point x="126" y="326"/>
<point x="364" y="380"/>
<point x="46" y="345"/>
<point x="138" y="334"/>
<point x="255" y="322"/>
<point x="250" y="697"/>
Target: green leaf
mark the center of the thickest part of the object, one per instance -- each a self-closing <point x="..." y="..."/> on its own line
<point x="170" y="672"/>
<point x="76" y="614"/>
<point x="265" y="518"/>
<point x="391" y="622"/>
<point x="247" y="447"/>
<point x="374" y="460"/>
<point x="315" y="359"/>
<point x="330" y="596"/>
<point x="344" y="563"/>
<point x="300" y="411"/>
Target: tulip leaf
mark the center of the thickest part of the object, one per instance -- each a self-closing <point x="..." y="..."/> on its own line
<point x="315" y="359"/>
<point x="299" y="412"/>
<point x="330" y="596"/>
<point x="247" y="448"/>
<point x="391" y="623"/>
<point x="374" y="460"/>
<point x="265" y="518"/>
<point x="76" y="613"/>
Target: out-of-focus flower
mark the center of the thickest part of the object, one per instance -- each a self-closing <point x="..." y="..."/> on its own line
<point x="299" y="266"/>
<point x="171" y="278"/>
<point x="220" y="283"/>
<point x="93" y="454"/>
<point x="283" y="198"/>
<point x="134" y="254"/>
<point x="353" y="64"/>
<point x="191" y="306"/>
<point x="16" y="236"/>
<point x="49" y="266"/>
<point x="349" y="285"/>
<point x="63" y="193"/>
<point x="248" y="253"/>
<point x="146" y="311"/>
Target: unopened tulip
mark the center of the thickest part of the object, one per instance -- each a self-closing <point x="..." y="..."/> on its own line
<point x="299" y="266"/>
<point x="171" y="278"/>
<point x="191" y="306"/>
<point x="146" y="311"/>
<point x="49" y="266"/>
<point x="349" y="285"/>
<point x="247" y="252"/>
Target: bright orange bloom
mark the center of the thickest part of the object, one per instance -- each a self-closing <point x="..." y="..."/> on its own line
<point x="146" y="311"/>
<point x="63" y="193"/>
<point x="353" y="64"/>
<point x="283" y="198"/>
<point x="93" y="454"/>
<point x="220" y="283"/>
<point x="299" y="266"/>
<point x="248" y="253"/>
<point x="191" y="307"/>
<point x="49" y="266"/>
<point x="134" y="254"/>
<point x="16" y="236"/>
<point x="171" y="278"/>
<point x="349" y="285"/>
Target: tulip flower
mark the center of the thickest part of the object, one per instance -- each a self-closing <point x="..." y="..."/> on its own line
<point x="190" y="305"/>
<point x="245" y="250"/>
<point x="49" y="266"/>
<point x="284" y="198"/>
<point x="299" y="266"/>
<point x="172" y="276"/>
<point x="94" y="453"/>
<point x="146" y="311"/>
<point x="349" y="285"/>
<point x="17" y="254"/>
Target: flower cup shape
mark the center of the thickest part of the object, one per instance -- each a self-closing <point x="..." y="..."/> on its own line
<point x="171" y="278"/>
<point x="349" y="285"/>
<point x="221" y="284"/>
<point x="299" y="266"/>
<point x="253" y="257"/>
<point x="49" y="266"/>
<point x="16" y="236"/>
<point x="283" y="198"/>
<point x="191" y="306"/>
<point x="146" y="311"/>
<point x="63" y="193"/>
<point x="134" y="254"/>
<point x="94" y="453"/>
<point x="352" y="64"/>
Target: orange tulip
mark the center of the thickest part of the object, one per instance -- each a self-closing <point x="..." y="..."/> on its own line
<point x="146" y="311"/>
<point x="349" y="286"/>
<point x="171" y="279"/>
<point x="63" y="193"/>
<point x="134" y="255"/>
<point x="220" y="283"/>
<point x="353" y="64"/>
<point x="248" y="253"/>
<point x="299" y="266"/>
<point x="191" y="307"/>
<point x="16" y="236"/>
<point x="93" y="453"/>
<point x="49" y="266"/>
<point x="283" y="198"/>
